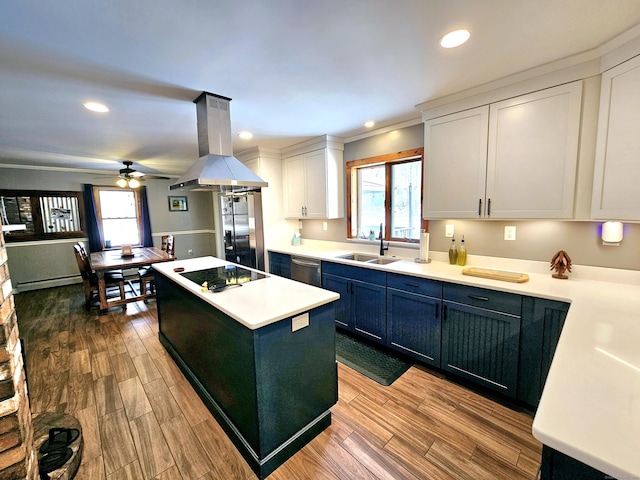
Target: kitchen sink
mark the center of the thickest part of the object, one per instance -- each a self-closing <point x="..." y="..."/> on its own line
<point x="359" y="257"/>
<point x="364" y="258"/>
<point x="382" y="260"/>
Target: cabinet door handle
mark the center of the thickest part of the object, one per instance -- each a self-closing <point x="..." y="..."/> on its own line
<point x="489" y="207"/>
<point x="479" y="207"/>
<point x="437" y="309"/>
<point x="444" y="313"/>
<point x="477" y="297"/>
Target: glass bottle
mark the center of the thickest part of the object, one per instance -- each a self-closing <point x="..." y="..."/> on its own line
<point x="453" y="252"/>
<point x="462" y="253"/>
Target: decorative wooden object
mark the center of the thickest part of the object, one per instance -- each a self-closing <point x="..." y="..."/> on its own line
<point x="560" y="262"/>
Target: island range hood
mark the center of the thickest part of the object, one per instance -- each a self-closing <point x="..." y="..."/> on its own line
<point x="217" y="169"/>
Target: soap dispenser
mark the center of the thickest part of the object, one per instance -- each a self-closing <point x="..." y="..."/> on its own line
<point x="462" y="253"/>
<point x="453" y="252"/>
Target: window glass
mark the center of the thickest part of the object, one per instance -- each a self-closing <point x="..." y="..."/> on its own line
<point x="118" y="214"/>
<point x="371" y="212"/>
<point x="406" y="211"/>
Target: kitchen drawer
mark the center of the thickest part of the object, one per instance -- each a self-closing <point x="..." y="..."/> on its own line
<point x="423" y="286"/>
<point x="355" y="273"/>
<point x="483" y="298"/>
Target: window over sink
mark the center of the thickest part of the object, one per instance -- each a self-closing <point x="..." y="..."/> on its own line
<point x="387" y="190"/>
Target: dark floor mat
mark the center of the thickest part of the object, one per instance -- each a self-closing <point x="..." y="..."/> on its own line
<point x="378" y="365"/>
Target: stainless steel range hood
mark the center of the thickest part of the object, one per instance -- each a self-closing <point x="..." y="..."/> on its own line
<point x="216" y="169"/>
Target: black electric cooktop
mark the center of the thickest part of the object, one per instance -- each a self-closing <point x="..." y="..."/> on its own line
<point x="220" y="277"/>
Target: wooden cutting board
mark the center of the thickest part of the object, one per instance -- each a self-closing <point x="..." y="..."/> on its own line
<point x="505" y="276"/>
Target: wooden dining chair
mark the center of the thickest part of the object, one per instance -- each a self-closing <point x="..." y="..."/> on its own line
<point x="146" y="275"/>
<point x="90" y="279"/>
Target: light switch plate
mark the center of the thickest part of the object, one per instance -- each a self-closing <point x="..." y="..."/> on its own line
<point x="301" y="321"/>
<point x="510" y="232"/>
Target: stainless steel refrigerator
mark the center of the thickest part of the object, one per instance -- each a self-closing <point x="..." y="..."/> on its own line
<point x="242" y="228"/>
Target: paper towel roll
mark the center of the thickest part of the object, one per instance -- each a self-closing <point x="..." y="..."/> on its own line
<point x="424" y="246"/>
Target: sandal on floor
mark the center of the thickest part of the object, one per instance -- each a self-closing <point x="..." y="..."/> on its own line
<point x="59" y="438"/>
<point x="54" y="460"/>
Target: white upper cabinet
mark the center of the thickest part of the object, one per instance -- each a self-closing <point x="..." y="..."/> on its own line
<point x="313" y="184"/>
<point x="455" y="164"/>
<point x="533" y="153"/>
<point x="512" y="159"/>
<point x="616" y="180"/>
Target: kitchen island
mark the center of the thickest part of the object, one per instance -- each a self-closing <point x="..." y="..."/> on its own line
<point x="260" y="354"/>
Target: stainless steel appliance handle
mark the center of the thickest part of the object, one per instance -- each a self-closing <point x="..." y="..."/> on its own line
<point x="305" y="263"/>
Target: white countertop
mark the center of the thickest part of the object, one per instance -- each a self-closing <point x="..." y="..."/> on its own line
<point x="590" y="407"/>
<point x="257" y="303"/>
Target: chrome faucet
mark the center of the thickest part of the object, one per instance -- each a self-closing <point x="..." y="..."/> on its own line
<point x="382" y="247"/>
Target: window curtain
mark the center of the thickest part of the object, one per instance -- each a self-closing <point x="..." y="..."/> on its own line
<point x="93" y="229"/>
<point x="147" y="239"/>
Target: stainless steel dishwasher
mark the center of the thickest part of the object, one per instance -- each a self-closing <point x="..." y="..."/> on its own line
<point x="306" y="270"/>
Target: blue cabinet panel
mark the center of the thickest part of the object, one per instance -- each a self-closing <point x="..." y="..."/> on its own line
<point x="423" y="286"/>
<point x="413" y="325"/>
<point x="542" y="323"/>
<point x="368" y="307"/>
<point x="280" y="264"/>
<point x="483" y="298"/>
<point x="343" y="305"/>
<point x="362" y="307"/>
<point x="482" y="346"/>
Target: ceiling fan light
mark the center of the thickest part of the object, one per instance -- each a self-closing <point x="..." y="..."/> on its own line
<point x="121" y="182"/>
<point x="133" y="183"/>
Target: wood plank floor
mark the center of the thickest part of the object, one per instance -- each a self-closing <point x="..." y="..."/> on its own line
<point x="142" y="420"/>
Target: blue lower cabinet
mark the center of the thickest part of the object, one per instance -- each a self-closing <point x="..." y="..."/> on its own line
<point x="342" y="307"/>
<point x="280" y="264"/>
<point x="369" y="310"/>
<point x="414" y="326"/>
<point x="362" y="308"/>
<point x="482" y="346"/>
<point x="542" y="322"/>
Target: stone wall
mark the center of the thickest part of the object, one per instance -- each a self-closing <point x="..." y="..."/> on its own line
<point x="18" y="459"/>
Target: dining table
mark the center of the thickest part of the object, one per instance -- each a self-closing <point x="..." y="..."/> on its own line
<point x="106" y="260"/>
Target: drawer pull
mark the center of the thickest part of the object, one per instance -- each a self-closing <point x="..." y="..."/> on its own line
<point x="414" y="285"/>
<point x="476" y="297"/>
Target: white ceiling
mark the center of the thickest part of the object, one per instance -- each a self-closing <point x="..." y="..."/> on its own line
<point x="294" y="70"/>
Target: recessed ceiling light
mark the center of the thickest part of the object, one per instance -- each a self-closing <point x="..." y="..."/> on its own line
<point x="96" y="107"/>
<point x="245" y="135"/>
<point x="455" y="38"/>
<point x="369" y="124"/>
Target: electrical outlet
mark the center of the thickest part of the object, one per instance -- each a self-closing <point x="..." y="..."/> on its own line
<point x="448" y="230"/>
<point x="190" y="252"/>
<point x="324" y="226"/>
<point x="299" y="322"/>
<point x="510" y="232"/>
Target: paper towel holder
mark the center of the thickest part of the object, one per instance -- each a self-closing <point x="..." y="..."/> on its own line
<point x="612" y="233"/>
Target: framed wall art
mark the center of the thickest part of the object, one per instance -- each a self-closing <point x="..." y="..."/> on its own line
<point x="178" y="204"/>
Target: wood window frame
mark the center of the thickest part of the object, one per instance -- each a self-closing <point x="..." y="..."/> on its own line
<point x="40" y="232"/>
<point x="387" y="160"/>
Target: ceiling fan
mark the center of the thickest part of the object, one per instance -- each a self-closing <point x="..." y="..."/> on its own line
<point x="129" y="177"/>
